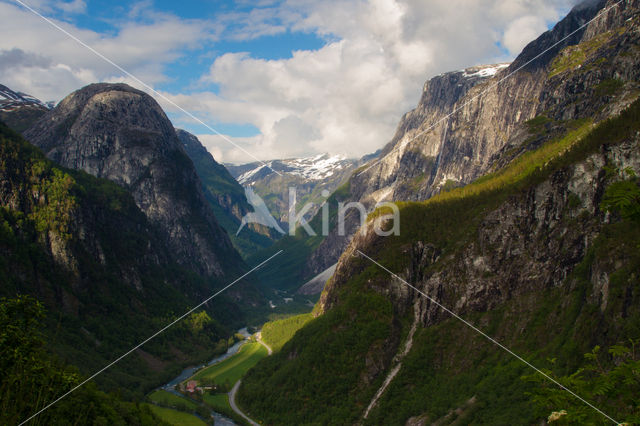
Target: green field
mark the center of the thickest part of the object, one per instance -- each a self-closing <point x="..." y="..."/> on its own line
<point x="232" y="369"/>
<point x="277" y="333"/>
<point x="168" y="399"/>
<point x="175" y="417"/>
<point x="219" y="402"/>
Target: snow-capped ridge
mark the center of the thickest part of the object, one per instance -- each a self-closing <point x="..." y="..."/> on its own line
<point x="10" y="100"/>
<point x="314" y="168"/>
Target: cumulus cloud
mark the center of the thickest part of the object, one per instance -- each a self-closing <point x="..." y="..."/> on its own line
<point x="63" y="65"/>
<point x="345" y="97"/>
<point x="521" y="31"/>
<point x="19" y="58"/>
<point x="348" y="96"/>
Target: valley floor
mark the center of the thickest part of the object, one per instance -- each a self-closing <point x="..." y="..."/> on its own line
<point x="211" y="388"/>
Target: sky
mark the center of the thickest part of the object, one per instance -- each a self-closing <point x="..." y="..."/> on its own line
<point x="273" y="78"/>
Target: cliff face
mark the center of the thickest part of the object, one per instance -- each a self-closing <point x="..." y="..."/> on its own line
<point x="115" y="132"/>
<point x="527" y="253"/>
<point x="470" y="122"/>
<point x="104" y="272"/>
<point x="532" y="260"/>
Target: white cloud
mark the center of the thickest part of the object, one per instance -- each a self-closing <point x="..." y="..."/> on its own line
<point x="521" y="31"/>
<point x="348" y="96"/>
<point x="73" y="6"/>
<point x="143" y="48"/>
<point x="345" y="97"/>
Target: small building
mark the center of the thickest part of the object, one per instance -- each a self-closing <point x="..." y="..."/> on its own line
<point x="191" y="386"/>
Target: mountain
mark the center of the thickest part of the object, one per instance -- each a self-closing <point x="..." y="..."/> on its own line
<point x="113" y="233"/>
<point x="318" y="181"/>
<point x="116" y="132"/>
<point x="102" y="270"/>
<point x="310" y="176"/>
<point x="534" y="243"/>
<point x="469" y="122"/>
<point x="226" y="197"/>
<point x="19" y="110"/>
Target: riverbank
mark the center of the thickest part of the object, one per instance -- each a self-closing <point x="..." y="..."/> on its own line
<point x="177" y="406"/>
<point x="207" y="390"/>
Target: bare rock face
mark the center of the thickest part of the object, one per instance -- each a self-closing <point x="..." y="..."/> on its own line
<point x="119" y="133"/>
<point x="530" y="243"/>
<point x="471" y="122"/>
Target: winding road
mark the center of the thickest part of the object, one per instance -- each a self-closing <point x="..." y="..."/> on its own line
<point x="234" y="389"/>
<point x="259" y="339"/>
<point x="234" y="407"/>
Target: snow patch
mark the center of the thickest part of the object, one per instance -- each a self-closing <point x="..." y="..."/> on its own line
<point x="484" y="71"/>
<point x="10" y="100"/>
<point x="246" y="177"/>
<point x="316" y="168"/>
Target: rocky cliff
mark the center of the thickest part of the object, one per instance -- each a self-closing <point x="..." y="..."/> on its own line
<point x="532" y="253"/>
<point x="534" y="260"/>
<point x="468" y="122"/>
<point x="103" y="271"/>
<point x="115" y="132"/>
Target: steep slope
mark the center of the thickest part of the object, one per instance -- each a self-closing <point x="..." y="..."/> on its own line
<point x="461" y="128"/>
<point x="527" y="253"/>
<point x="226" y="197"/>
<point x="286" y="274"/>
<point x="19" y="110"/>
<point x="82" y="247"/>
<point x="116" y="132"/>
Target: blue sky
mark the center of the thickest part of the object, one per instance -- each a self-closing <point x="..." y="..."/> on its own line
<point x="280" y="78"/>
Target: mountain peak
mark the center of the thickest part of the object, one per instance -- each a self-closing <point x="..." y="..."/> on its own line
<point x="120" y="133"/>
<point x="484" y="71"/>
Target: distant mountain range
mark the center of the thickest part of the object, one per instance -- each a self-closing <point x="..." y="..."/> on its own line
<point x="10" y="100"/>
<point x="321" y="167"/>
<point x="310" y="176"/>
<point x="19" y="110"/>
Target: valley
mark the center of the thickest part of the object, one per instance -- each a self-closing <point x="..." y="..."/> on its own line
<point x="144" y="280"/>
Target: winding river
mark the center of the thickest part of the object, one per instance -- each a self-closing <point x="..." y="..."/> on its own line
<point x="188" y="372"/>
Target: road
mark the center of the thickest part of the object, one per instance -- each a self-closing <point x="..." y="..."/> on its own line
<point x="234" y="390"/>
<point x="259" y="339"/>
<point x="232" y="402"/>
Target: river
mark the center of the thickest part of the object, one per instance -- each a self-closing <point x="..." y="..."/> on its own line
<point x="188" y="372"/>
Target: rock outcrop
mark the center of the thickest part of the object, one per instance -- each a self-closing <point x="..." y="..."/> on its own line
<point x="470" y="122"/>
<point x="119" y="133"/>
